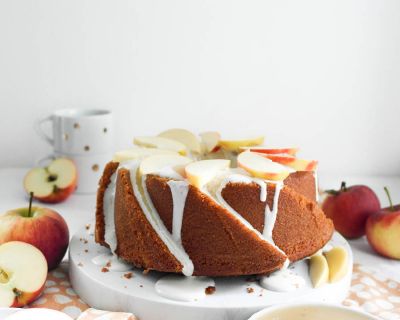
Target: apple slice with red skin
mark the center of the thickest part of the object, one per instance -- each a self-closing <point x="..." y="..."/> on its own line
<point x="267" y="150"/>
<point x="54" y="183"/>
<point x="23" y="273"/>
<point x="383" y="230"/>
<point x="41" y="227"/>
<point x="293" y="162"/>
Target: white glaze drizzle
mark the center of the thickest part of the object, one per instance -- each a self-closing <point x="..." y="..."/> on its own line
<point x="143" y="197"/>
<point x="315" y="174"/>
<point x="108" y="212"/>
<point x="271" y="213"/>
<point x="112" y="262"/>
<point x="179" y="191"/>
<point x="283" y="280"/>
<point x="177" y="287"/>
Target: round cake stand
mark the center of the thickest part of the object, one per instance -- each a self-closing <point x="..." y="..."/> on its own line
<point x="235" y="298"/>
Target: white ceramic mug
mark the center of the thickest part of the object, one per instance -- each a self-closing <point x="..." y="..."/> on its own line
<point x="84" y="136"/>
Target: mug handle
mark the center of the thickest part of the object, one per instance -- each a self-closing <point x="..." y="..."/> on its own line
<point x="44" y="161"/>
<point x="41" y="133"/>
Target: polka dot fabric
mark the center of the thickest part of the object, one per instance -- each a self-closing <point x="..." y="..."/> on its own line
<point x="370" y="291"/>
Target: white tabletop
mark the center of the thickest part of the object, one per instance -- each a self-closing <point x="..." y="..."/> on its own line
<point x="79" y="210"/>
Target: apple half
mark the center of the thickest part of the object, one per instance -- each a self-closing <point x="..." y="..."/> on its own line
<point x="199" y="173"/>
<point x="161" y="143"/>
<point x="54" y="183"/>
<point x="23" y="272"/>
<point x="183" y="136"/>
<point x="261" y="167"/>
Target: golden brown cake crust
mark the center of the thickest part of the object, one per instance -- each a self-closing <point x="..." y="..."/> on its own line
<point x="138" y="243"/>
<point x="303" y="182"/>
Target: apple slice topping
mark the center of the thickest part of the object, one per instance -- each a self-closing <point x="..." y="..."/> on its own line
<point x="319" y="270"/>
<point x="139" y="153"/>
<point x="293" y="162"/>
<point x="210" y="140"/>
<point x="262" y="149"/>
<point x="59" y="175"/>
<point x="158" y="163"/>
<point x="183" y="136"/>
<point x="199" y="173"/>
<point x="337" y="262"/>
<point x="161" y="143"/>
<point x="236" y="145"/>
<point x="261" y="167"/>
<point x="23" y="270"/>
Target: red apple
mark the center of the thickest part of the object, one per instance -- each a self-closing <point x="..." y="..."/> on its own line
<point x="54" y="183"/>
<point x="349" y="208"/>
<point x="23" y="272"/>
<point x="41" y="227"/>
<point x="383" y="230"/>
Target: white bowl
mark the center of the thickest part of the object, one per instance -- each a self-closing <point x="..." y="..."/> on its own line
<point x="314" y="311"/>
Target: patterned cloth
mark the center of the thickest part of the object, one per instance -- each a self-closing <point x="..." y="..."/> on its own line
<point x="370" y="291"/>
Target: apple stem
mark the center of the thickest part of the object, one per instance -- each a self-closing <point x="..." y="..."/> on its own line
<point x="337" y="192"/>
<point x="389" y="197"/>
<point x="343" y="186"/>
<point x="30" y="204"/>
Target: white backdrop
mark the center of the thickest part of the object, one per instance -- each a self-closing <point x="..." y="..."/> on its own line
<point x="324" y="75"/>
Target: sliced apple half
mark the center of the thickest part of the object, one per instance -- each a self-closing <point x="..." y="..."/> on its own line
<point x="54" y="183"/>
<point x="210" y="141"/>
<point x="268" y="150"/>
<point x="338" y="263"/>
<point x="139" y="153"/>
<point x="183" y="136"/>
<point x="293" y="162"/>
<point x="236" y="145"/>
<point x="261" y="167"/>
<point x="199" y="173"/>
<point x="158" y="163"/>
<point x="161" y="143"/>
<point x="319" y="270"/>
<point x="23" y="272"/>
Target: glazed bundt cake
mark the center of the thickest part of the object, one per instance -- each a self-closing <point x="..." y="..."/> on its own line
<point x="208" y="206"/>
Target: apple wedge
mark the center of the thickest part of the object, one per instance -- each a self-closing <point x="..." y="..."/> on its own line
<point x="139" y="153"/>
<point x="293" y="162"/>
<point x="158" y="163"/>
<point x="261" y="167"/>
<point x="183" y="136"/>
<point x="236" y="145"/>
<point x="23" y="272"/>
<point x="338" y="263"/>
<point x="54" y="183"/>
<point x="262" y="149"/>
<point x="161" y="143"/>
<point x="199" y="173"/>
<point x="319" y="270"/>
<point x="210" y="141"/>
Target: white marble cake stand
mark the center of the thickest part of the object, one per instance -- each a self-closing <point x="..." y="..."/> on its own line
<point x="112" y="291"/>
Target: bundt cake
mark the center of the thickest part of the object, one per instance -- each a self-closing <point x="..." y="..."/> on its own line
<point x="209" y="207"/>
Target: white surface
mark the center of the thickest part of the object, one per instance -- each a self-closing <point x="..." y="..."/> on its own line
<point x="320" y="74"/>
<point x="112" y="291"/>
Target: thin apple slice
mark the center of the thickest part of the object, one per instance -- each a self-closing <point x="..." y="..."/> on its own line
<point x="268" y="150"/>
<point x="261" y="167"/>
<point x="199" y="173"/>
<point x="139" y="153"/>
<point x="293" y="162"/>
<point x="236" y="145"/>
<point x="161" y="143"/>
<point x="157" y="163"/>
<point x="319" y="270"/>
<point x="338" y="263"/>
<point x="210" y="140"/>
<point x="183" y="136"/>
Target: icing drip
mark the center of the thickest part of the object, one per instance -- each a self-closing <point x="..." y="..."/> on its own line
<point x="271" y="213"/>
<point x="315" y="174"/>
<point x="283" y="280"/>
<point x="179" y="191"/>
<point x="112" y="262"/>
<point x="140" y="190"/>
<point x="176" y="287"/>
<point x="108" y="205"/>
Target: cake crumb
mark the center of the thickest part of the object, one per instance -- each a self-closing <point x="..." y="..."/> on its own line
<point x="210" y="290"/>
<point x="87" y="226"/>
<point x="250" y="290"/>
<point x="108" y="264"/>
<point x="86" y="250"/>
<point x="104" y="269"/>
<point x="146" y="271"/>
<point x="128" y="275"/>
<point x="141" y="286"/>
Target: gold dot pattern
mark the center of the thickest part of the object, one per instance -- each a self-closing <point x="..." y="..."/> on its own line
<point x="76" y="125"/>
<point x="86" y="148"/>
<point x="370" y="291"/>
<point x="95" y="167"/>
